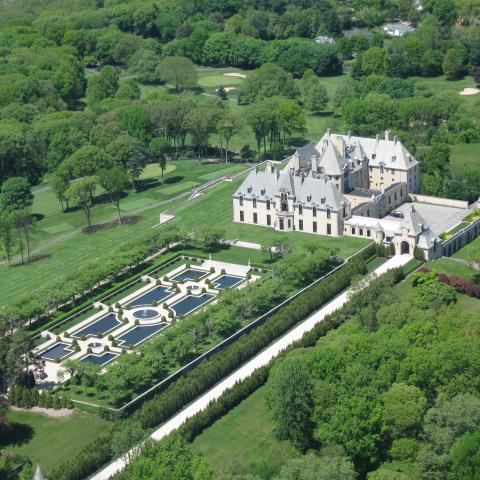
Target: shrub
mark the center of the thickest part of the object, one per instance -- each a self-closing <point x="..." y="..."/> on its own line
<point x="212" y="270"/>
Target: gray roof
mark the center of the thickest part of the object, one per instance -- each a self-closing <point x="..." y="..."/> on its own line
<point x="306" y="189"/>
<point x="390" y="153"/>
<point x="427" y="239"/>
<point x="414" y="222"/>
<point x="357" y="32"/>
<point x="401" y="27"/>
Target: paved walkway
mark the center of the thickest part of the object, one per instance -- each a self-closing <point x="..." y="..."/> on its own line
<point x="246" y="370"/>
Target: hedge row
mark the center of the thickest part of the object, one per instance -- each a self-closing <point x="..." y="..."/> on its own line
<point x="461" y="285"/>
<point x="208" y="373"/>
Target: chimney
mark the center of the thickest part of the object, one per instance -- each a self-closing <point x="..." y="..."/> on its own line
<point x="314" y="159"/>
<point x="340" y="144"/>
<point x="395" y="139"/>
<point x="387" y="135"/>
<point x="296" y="162"/>
<point x="329" y="131"/>
<point x="349" y="134"/>
<point x="277" y="175"/>
<point x="270" y="167"/>
<point x="377" y="137"/>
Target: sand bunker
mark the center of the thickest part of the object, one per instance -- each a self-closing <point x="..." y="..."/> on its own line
<point x="235" y="74"/>
<point x="227" y="89"/>
<point x="470" y="91"/>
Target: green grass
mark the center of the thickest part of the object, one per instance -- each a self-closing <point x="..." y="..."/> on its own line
<point x="463" y="156"/>
<point x="50" y="441"/>
<point x="244" y="438"/>
<point x="449" y="266"/>
<point x="464" y="252"/>
<point x="72" y="247"/>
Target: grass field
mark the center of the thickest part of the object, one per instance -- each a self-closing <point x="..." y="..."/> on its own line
<point x="464" y="155"/>
<point x="49" y="441"/>
<point x="465" y="251"/>
<point x="66" y="246"/>
<point x="243" y="439"/>
<point x="449" y="266"/>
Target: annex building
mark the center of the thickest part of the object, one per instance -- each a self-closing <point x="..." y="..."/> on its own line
<point x="343" y="185"/>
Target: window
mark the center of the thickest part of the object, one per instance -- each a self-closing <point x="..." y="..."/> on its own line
<point x="381" y="169"/>
<point x="268" y="204"/>
<point x="314" y="211"/>
<point x="242" y="217"/>
<point x="328" y="213"/>
<point x="368" y="233"/>
<point x="329" y="229"/>
<point x="353" y="230"/>
<point x="300" y="224"/>
<point x="255" y="218"/>
<point x="314" y="227"/>
<point x="284" y="202"/>
<point x="289" y="223"/>
<point x="241" y="201"/>
<point x="269" y="220"/>
<point x="361" y="232"/>
<point x="254" y="203"/>
<point x="344" y="211"/>
<point x="300" y="209"/>
<point x="281" y="224"/>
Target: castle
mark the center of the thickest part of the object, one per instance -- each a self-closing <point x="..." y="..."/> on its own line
<point x="343" y="185"/>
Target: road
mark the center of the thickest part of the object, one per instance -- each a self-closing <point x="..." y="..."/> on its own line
<point x="260" y="360"/>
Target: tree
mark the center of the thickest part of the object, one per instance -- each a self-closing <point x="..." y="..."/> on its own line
<point x="311" y="467"/>
<point x="430" y="292"/>
<point x="445" y="11"/>
<point x="373" y="61"/>
<point x="16" y="194"/>
<point x="103" y="85"/>
<point x="404" y="407"/>
<point x="466" y="457"/>
<point x="114" y="181"/>
<point x="82" y="193"/>
<point x="260" y="119"/>
<point x="60" y="184"/>
<point x="126" y="440"/>
<point x="289" y="399"/>
<point x="6" y="235"/>
<point x="86" y="161"/>
<point x="202" y="122"/>
<point x="314" y="94"/>
<point x="159" y="148"/>
<point x="453" y="66"/>
<point x="179" y="71"/>
<point x="143" y="64"/>
<point x="228" y="125"/>
<point x="128" y="90"/>
<point x="290" y="118"/>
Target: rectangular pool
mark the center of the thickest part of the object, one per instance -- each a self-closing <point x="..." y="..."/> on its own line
<point x="190" y="303"/>
<point x="101" y="359"/>
<point x="103" y="325"/>
<point x="157" y="294"/>
<point x="190" y="274"/>
<point x="58" y="351"/>
<point x="139" y="334"/>
<point x="227" y="281"/>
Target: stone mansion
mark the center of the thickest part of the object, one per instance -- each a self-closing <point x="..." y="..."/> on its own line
<point x="343" y="185"/>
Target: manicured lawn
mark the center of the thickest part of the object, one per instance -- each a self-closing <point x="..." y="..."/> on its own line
<point x="49" y="441"/>
<point x="244" y="438"/>
<point x="464" y="156"/>
<point x="441" y="84"/>
<point x="72" y="247"/>
<point x="449" y="266"/>
<point x="464" y="252"/>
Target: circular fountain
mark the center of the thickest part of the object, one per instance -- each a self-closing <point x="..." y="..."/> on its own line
<point x="94" y="345"/>
<point x="146" y="314"/>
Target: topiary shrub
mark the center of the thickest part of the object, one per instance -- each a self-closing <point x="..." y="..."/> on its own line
<point x="136" y="322"/>
<point x="170" y="314"/>
<point x="165" y="278"/>
<point x="110" y="338"/>
<point x="106" y="348"/>
<point x="66" y="334"/>
<point x="165" y="306"/>
<point x="163" y="319"/>
<point x="117" y="305"/>
<point x="223" y="271"/>
<point x="89" y="350"/>
<point x="158" y="282"/>
<point x="110" y="309"/>
<point x="58" y="339"/>
<point x="154" y="303"/>
<point x="204" y="290"/>
<point x="212" y="270"/>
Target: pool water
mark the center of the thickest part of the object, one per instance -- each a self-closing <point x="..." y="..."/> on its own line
<point x="101" y="326"/>
<point x="139" y="334"/>
<point x="191" y="303"/>
<point x="190" y="274"/>
<point x="102" y="359"/>
<point x="146" y="313"/>
<point x="59" y="350"/>
<point x="157" y="294"/>
<point x="227" y="281"/>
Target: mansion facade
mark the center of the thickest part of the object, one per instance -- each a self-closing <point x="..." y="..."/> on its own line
<point x="343" y="185"/>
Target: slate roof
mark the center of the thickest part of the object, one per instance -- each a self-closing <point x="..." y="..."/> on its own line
<point x="307" y="190"/>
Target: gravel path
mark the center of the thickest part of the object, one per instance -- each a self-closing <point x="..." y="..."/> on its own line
<point x="246" y="370"/>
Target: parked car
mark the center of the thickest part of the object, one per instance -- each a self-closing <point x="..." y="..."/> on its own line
<point x="397" y="214"/>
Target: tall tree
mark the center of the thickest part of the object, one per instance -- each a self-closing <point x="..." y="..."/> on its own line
<point x="114" y="181"/>
<point x="7" y="241"/>
<point x="82" y="193"/>
<point x="228" y="125"/>
<point x="179" y="71"/>
<point x="16" y="194"/>
<point x="159" y="148"/>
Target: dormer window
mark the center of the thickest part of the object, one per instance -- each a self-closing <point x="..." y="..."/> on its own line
<point x="249" y="189"/>
<point x="309" y="198"/>
<point x="323" y="200"/>
<point x="241" y="200"/>
<point x="262" y="191"/>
